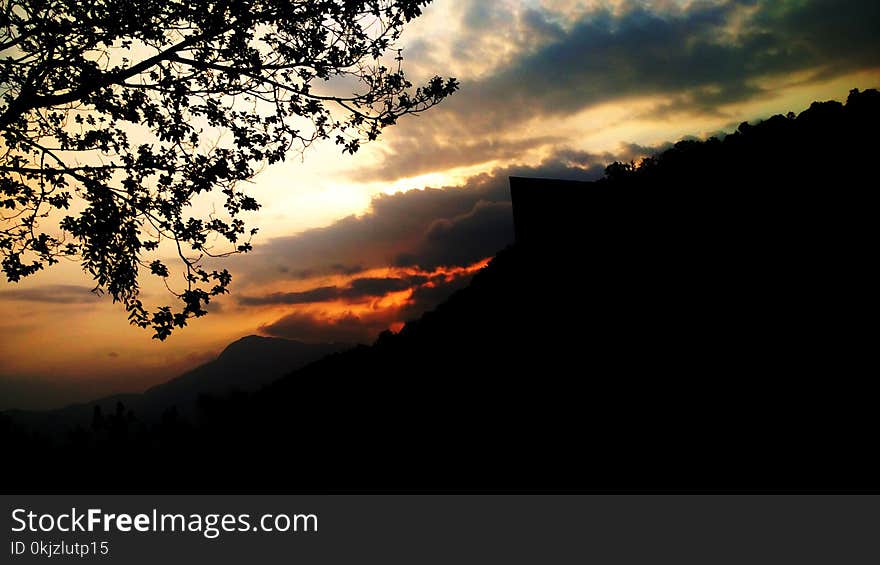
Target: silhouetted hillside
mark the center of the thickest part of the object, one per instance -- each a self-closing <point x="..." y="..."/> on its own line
<point x="699" y="321"/>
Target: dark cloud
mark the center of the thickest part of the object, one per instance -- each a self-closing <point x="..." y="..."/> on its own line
<point x="358" y="289"/>
<point x="302" y="274"/>
<point x="540" y="27"/>
<point x="320" y="294"/>
<point x="712" y="52"/>
<point x="347" y="269"/>
<point x="53" y="294"/>
<point x="381" y="286"/>
<point x="464" y="239"/>
<point x="393" y="225"/>
<point x="699" y="58"/>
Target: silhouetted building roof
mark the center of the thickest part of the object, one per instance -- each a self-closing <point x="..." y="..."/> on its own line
<point x="548" y="209"/>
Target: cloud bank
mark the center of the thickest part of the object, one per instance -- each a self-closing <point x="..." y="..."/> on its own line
<point x="557" y="59"/>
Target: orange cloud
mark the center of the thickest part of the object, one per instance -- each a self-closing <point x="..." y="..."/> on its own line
<point x="354" y="312"/>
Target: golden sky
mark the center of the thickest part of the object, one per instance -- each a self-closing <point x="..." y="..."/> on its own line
<point x="350" y="245"/>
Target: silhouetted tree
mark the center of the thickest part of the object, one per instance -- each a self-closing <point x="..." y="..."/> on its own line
<point x="619" y="171"/>
<point x="98" y="423"/>
<point x="134" y="107"/>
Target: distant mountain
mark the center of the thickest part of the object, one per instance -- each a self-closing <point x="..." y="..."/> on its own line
<point x="245" y="365"/>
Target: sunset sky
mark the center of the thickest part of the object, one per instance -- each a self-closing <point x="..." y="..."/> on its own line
<point x="352" y="245"/>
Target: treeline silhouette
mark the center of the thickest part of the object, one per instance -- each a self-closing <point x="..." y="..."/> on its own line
<point x="697" y="320"/>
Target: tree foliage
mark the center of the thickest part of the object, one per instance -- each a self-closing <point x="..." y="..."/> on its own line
<point x="116" y="114"/>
